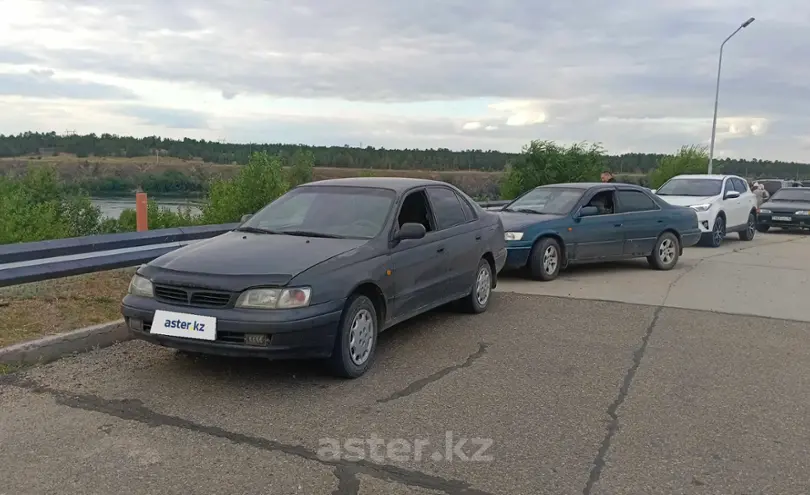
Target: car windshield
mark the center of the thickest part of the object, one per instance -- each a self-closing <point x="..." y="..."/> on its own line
<point x="547" y="200"/>
<point x="792" y="194"/>
<point x="691" y="187"/>
<point x="326" y="211"/>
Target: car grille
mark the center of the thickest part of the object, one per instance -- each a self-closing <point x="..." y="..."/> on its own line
<point x="201" y="298"/>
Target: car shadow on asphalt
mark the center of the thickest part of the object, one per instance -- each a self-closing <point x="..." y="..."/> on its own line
<point x="314" y="371"/>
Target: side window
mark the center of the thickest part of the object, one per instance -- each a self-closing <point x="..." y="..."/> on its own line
<point x="446" y="207"/>
<point x="635" y="201"/>
<point x="740" y="185"/>
<point x="469" y="214"/>
<point x="729" y="186"/>
<point x="415" y="209"/>
<point x="603" y="201"/>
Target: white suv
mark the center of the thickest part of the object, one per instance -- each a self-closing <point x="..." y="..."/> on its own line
<point x="724" y="203"/>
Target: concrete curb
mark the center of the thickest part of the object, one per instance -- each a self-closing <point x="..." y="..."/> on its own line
<point x="57" y="346"/>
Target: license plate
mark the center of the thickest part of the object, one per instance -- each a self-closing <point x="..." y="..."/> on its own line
<point x="185" y="325"/>
<point x="782" y="219"/>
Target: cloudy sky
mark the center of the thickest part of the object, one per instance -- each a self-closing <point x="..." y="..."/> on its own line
<point x="635" y="75"/>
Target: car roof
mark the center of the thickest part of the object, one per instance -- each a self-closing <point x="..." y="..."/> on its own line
<point x="399" y="184"/>
<point x="589" y="185"/>
<point x="704" y="176"/>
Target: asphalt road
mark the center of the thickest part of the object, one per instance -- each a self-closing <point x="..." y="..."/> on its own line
<point x="565" y="395"/>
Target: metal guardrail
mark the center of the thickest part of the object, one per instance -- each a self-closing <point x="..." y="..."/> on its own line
<point x="44" y="260"/>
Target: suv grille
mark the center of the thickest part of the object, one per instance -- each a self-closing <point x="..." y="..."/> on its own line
<point x="202" y="298"/>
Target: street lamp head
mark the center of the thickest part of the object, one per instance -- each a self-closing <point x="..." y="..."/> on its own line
<point x="748" y="22"/>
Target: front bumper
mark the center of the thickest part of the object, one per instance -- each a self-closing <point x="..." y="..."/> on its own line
<point x="290" y="334"/>
<point x="795" y="222"/>
<point x="517" y="254"/>
<point x="705" y="221"/>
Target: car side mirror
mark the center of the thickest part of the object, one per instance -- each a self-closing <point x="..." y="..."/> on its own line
<point x="247" y="217"/>
<point x="732" y="195"/>
<point x="588" y="211"/>
<point x="653" y="190"/>
<point x="411" y="231"/>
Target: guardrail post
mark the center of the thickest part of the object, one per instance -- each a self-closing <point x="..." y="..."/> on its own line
<point x="141" y="212"/>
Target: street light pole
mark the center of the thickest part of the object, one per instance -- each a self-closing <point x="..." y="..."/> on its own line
<point x="717" y="89"/>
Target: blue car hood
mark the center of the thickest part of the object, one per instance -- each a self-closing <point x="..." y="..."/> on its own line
<point x="515" y="220"/>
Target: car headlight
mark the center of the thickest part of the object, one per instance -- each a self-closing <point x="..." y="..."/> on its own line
<point x="704" y="207"/>
<point x="141" y="286"/>
<point x="274" y="298"/>
<point x="513" y="236"/>
<point x="764" y="210"/>
<point x="802" y="212"/>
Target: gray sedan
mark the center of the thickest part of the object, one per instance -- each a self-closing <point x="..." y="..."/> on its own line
<point x="321" y="271"/>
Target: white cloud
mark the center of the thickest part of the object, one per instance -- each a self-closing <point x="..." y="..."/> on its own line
<point x="633" y="76"/>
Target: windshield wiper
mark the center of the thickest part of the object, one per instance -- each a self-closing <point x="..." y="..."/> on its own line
<point x="306" y="233"/>
<point x="256" y="230"/>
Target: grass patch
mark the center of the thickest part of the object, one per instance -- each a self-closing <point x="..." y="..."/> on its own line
<point x="34" y="310"/>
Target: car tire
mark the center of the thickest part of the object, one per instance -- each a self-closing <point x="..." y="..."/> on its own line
<point x="356" y="340"/>
<point x="715" y="237"/>
<point x="478" y="299"/>
<point x="750" y="228"/>
<point x="763" y="228"/>
<point x="545" y="259"/>
<point x="666" y="252"/>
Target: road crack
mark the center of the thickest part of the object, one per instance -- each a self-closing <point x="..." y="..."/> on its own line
<point x="613" y="426"/>
<point x="420" y="384"/>
<point x="346" y="471"/>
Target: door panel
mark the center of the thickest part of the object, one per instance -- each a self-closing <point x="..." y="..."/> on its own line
<point x="599" y="236"/>
<point x="418" y="269"/>
<point x="642" y="224"/>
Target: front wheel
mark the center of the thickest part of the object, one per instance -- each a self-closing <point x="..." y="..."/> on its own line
<point x="750" y="228"/>
<point x="477" y="300"/>
<point x="718" y="233"/>
<point x="545" y="259"/>
<point x="356" y="340"/>
<point x="665" y="253"/>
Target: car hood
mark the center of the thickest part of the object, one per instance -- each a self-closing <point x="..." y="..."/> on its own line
<point x="687" y="200"/>
<point x="513" y="220"/>
<point x="790" y="206"/>
<point x="274" y="257"/>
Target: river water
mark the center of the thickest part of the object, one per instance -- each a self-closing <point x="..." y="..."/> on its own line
<point x="112" y="207"/>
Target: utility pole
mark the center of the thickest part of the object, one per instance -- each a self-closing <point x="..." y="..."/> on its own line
<point x="717" y="89"/>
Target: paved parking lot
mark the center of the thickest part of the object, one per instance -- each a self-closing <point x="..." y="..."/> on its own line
<point x="577" y="396"/>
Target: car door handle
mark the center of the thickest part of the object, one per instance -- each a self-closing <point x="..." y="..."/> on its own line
<point x="617" y="225"/>
<point x="660" y="221"/>
<point x="478" y="237"/>
<point x="440" y="250"/>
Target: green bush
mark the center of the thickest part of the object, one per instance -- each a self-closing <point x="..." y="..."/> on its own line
<point x="691" y="159"/>
<point x="545" y="162"/>
<point x="257" y="183"/>
<point x="37" y="206"/>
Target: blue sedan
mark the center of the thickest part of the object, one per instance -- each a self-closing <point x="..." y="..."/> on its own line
<point x="551" y="227"/>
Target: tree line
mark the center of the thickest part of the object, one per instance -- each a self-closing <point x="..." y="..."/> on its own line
<point x="439" y="159"/>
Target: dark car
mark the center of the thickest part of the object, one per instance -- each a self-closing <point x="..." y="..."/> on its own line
<point x="786" y="208"/>
<point x="320" y="271"/>
<point x="553" y="226"/>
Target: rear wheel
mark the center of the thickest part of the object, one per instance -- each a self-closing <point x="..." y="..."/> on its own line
<point x="665" y="253"/>
<point x="750" y="228"/>
<point x="356" y="340"/>
<point x="545" y="259"/>
<point x="477" y="300"/>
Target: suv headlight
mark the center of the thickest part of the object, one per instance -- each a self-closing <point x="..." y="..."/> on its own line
<point x="274" y="298"/>
<point x="703" y="207"/>
<point x="141" y="286"/>
<point x="513" y="236"/>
